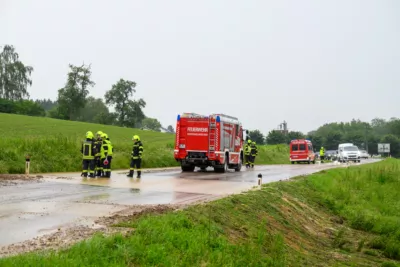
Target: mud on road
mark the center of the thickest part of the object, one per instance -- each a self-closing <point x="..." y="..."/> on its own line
<point x="64" y="237"/>
<point x="14" y="179"/>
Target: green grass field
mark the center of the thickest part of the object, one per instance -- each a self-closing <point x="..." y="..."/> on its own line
<point x="340" y="217"/>
<point x="55" y="145"/>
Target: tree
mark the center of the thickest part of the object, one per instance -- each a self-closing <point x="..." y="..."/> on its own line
<point x="295" y="135"/>
<point x="92" y="110"/>
<point x="363" y="134"/>
<point x="130" y="112"/>
<point x="46" y="104"/>
<point x="109" y="118"/>
<point x="152" y="124"/>
<point x="14" y="75"/>
<point x="257" y="137"/>
<point x="23" y="107"/>
<point x="72" y="98"/>
<point x="333" y="139"/>
<point x="170" y="129"/>
<point x="276" y="137"/>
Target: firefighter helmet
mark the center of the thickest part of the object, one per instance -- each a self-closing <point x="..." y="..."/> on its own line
<point x="89" y="135"/>
<point x="136" y="137"/>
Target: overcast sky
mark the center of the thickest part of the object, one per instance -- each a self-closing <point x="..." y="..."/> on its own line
<point x="306" y="62"/>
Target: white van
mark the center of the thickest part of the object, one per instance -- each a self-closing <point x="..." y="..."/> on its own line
<point x="348" y="152"/>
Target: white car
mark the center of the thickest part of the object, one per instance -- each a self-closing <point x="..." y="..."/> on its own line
<point x="348" y="152"/>
<point x="364" y="154"/>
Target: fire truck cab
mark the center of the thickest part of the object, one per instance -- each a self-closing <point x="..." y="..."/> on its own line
<point x="214" y="140"/>
<point x="301" y="150"/>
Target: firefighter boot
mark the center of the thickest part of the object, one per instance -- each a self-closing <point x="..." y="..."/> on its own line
<point x="130" y="174"/>
<point x="139" y="173"/>
<point x="91" y="175"/>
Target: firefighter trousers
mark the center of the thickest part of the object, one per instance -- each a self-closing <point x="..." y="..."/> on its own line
<point x="252" y="159"/>
<point x="135" y="165"/>
<point x="247" y="160"/>
<point x="106" y="167"/>
<point x="88" y="167"/>
<point x="98" y="166"/>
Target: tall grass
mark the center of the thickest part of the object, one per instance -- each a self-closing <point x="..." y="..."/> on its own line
<point x="54" y="145"/>
<point x="366" y="196"/>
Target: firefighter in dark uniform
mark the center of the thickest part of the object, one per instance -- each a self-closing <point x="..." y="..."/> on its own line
<point x="253" y="153"/>
<point x="97" y="163"/>
<point x="88" y="151"/>
<point x="136" y="159"/>
<point x="247" y="151"/>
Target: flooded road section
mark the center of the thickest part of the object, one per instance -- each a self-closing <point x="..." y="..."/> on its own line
<point x="28" y="210"/>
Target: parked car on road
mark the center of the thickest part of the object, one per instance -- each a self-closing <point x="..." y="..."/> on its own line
<point x="364" y="154"/>
<point x="331" y="154"/>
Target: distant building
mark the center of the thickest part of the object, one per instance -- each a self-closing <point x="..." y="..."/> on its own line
<point x="283" y="128"/>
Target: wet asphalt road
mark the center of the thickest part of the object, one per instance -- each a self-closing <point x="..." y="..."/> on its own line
<point x="31" y="209"/>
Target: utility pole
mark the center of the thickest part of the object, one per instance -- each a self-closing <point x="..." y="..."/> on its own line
<point x="366" y="138"/>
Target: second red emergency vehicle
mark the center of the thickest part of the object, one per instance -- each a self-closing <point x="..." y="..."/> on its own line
<point x="301" y="150"/>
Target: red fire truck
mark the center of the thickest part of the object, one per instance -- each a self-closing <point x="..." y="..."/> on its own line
<point x="208" y="140"/>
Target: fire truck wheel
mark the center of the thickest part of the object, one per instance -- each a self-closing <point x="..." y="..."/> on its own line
<point x="187" y="168"/>
<point x="226" y="167"/>
<point x="238" y="167"/>
<point x="222" y="169"/>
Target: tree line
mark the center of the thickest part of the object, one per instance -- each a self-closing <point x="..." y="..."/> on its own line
<point x="365" y="135"/>
<point x="73" y="101"/>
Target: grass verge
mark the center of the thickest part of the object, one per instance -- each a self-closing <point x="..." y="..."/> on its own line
<point x="340" y="217"/>
<point x="55" y="145"/>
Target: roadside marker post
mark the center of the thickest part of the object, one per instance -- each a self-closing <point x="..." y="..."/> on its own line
<point x="259" y="180"/>
<point x="27" y="164"/>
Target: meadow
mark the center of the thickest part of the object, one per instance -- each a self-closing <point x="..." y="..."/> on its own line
<point x="339" y="217"/>
<point x="54" y="145"/>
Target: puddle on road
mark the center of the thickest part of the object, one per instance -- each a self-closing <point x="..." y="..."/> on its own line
<point x="97" y="197"/>
<point x="135" y="190"/>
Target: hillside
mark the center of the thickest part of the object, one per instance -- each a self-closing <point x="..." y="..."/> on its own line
<point x="54" y="145"/>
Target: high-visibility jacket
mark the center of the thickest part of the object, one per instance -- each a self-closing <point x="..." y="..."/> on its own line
<point x="137" y="150"/>
<point x="88" y="149"/>
<point x="110" y="148"/>
<point x="104" y="149"/>
<point x="247" y="150"/>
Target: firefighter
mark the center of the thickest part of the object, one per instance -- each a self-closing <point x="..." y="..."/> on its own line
<point x="104" y="160"/>
<point x="136" y="159"/>
<point x="98" y="168"/>
<point x="110" y="155"/>
<point x="253" y="153"/>
<point x="322" y="154"/>
<point x="247" y="151"/>
<point x="88" y="151"/>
